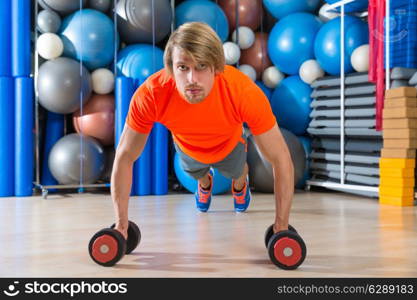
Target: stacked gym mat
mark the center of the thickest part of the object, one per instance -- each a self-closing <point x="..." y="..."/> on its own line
<point x="397" y="162"/>
<point x="362" y="143"/>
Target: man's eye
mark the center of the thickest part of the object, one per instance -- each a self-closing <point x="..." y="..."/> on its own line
<point x="182" y="68"/>
<point x="202" y="66"/>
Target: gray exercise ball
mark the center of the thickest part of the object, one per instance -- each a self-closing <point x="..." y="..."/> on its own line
<point x="62" y="86"/>
<point x="260" y="170"/>
<point x="101" y="5"/>
<point x="67" y="155"/>
<point x="63" y="7"/>
<point x="48" y="21"/>
<point x="134" y="21"/>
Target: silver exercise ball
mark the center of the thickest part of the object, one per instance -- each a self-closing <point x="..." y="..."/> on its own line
<point x="48" y="21"/>
<point x="63" y="7"/>
<point x="135" y="17"/>
<point x="261" y="176"/>
<point x="68" y="154"/>
<point x="62" y="86"/>
<point x="100" y="5"/>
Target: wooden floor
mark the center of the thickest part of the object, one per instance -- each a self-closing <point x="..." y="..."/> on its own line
<point x="346" y="236"/>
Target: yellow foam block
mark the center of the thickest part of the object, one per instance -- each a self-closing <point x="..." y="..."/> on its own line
<point x="396" y="182"/>
<point x="396" y="162"/>
<point x="396" y="191"/>
<point x="399" y="201"/>
<point x="396" y="172"/>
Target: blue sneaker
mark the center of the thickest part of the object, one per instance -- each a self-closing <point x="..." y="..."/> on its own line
<point x="242" y="198"/>
<point x="202" y="196"/>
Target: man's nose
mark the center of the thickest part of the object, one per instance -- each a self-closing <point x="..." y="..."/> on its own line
<point x="191" y="76"/>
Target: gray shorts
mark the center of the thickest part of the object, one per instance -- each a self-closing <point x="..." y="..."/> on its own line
<point x="231" y="166"/>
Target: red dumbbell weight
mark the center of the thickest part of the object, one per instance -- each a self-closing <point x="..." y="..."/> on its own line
<point x="108" y="245"/>
<point x="286" y="249"/>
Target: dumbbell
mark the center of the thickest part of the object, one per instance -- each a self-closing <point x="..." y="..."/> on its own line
<point x="286" y="248"/>
<point x="108" y="245"/>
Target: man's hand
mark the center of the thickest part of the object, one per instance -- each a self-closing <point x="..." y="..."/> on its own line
<point x="122" y="228"/>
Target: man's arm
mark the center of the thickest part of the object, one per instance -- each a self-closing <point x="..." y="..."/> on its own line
<point x="275" y="150"/>
<point x="129" y="149"/>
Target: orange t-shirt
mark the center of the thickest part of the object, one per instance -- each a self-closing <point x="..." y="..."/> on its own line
<point x="207" y="131"/>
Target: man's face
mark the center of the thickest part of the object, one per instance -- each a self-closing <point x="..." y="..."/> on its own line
<point x="194" y="80"/>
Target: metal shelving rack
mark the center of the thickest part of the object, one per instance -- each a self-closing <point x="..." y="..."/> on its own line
<point x="37" y="183"/>
<point x="342" y="185"/>
<point x="81" y="186"/>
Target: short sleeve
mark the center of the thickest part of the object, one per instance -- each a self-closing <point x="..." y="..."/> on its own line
<point x="255" y="109"/>
<point x="142" y="110"/>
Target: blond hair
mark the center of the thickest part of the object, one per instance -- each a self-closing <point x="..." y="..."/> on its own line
<point x="199" y="41"/>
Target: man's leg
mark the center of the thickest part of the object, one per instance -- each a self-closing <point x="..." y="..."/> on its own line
<point x="205" y="181"/>
<point x="239" y="183"/>
<point x="234" y="166"/>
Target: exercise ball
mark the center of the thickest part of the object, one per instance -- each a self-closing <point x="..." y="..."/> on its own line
<point x="249" y="71"/>
<point x="97" y="119"/>
<point x="102" y="81"/>
<point x="261" y="176"/>
<point x="203" y="11"/>
<point x="88" y="35"/>
<point x="327" y="43"/>
<point x="76" y="159"/>
<point x="360" y="58"/>
<point x="326" y="14"/>
<point x="139" y="61"/>
<point x="257" y="54"/>
<point x="354" y="6"/>
<point x="221" y="184"/>
<point x="63" y="7"/>
<point x="244" y="37"/>
<point x="143" y="21"/>
<point x="310" y="71"/>
<point x="291" y="41"/>
<point x="101" y="5"/>
<point x="282" y="8"/>
<point x="63" y="85"/>
<point x="306" y="142"/>
<point x="249" y="11"/>
<point x="48" y="21"/>
<point x="49" y="45"/>
<point x="231" y="53"/>
<point x="291" y="104"/>
<point x="271" y="77"/>
<point x="267" y="91"/>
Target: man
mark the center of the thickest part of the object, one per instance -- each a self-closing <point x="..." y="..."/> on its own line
<point x="204" y="104"/>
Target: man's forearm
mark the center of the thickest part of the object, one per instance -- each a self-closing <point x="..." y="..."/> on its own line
<point x="121" y="183"/>
<point x="284" y="192"/>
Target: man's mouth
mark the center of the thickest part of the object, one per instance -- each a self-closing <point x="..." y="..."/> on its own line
<point x="194" y="91"/>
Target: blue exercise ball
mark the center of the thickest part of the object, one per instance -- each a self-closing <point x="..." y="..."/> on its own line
<point x="139" y="61"/>
<point x="282" y="8"/>
<point x="355" y="6"/>
<point x="306" y="142"/>
<point x="267" y="91"/>
<point x="221" y="184"/>
<point x="88" y="35"/>
<point x="291" y="104"/>
<point x="327" y="43"/>
<point x="291" y="41"/>
<point x="203" y="11"/>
